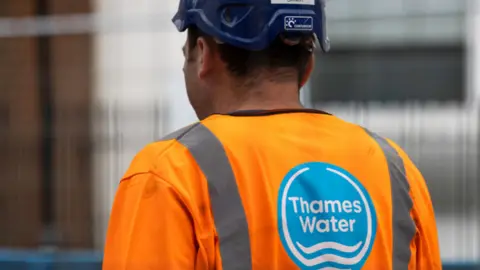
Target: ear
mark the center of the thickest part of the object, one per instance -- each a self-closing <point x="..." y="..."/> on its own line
<point x="308" y="70"/>
<point x="204" y="57"/>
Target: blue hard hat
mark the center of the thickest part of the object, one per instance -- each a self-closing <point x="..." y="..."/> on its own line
<point x="254" y="24"/>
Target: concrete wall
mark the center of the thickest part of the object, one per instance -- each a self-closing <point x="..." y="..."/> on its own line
<point x="387" y="21"/>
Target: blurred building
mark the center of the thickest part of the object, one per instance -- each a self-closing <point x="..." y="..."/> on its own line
<point x="82" y="92"/>
<point x="45" y="100"/>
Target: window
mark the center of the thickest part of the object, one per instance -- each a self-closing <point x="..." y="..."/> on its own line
<point x="390" y="74"/>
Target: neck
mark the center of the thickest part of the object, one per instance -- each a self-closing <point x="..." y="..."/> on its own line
<point x="266" y="95"/>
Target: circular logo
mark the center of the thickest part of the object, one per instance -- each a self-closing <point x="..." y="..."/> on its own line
<point x="326" y="217"/>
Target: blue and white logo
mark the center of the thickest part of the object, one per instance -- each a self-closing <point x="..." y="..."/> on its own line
<point x="298" y="23"/>
<point x="326" y="217"/>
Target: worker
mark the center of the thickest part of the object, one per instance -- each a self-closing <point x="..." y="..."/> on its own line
<point x="260" y="182"/>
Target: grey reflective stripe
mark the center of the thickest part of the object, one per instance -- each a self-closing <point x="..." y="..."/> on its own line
<point x="178" y="133"/>
<point x="228" y="212"/>
<point x="403" y="225"/>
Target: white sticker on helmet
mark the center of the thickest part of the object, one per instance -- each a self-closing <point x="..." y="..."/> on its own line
<point x="293" y="2"/>
<point x="298" y="23"/>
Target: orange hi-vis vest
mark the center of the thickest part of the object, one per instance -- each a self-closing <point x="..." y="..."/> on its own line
<point x="286" y="189"/>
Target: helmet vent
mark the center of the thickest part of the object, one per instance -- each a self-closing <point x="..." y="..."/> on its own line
<point x="234" y="14"/>
<point x="227" y="15"/>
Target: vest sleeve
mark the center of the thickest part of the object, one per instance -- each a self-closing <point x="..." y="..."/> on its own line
<point x="150" y="227"/>
<point x="426" y="239"/>
<point x="425" y="247"/>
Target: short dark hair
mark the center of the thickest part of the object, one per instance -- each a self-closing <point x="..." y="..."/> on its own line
<point x="246" y="64"/>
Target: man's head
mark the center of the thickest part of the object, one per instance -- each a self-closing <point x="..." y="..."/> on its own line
<point x="233" y="50"/>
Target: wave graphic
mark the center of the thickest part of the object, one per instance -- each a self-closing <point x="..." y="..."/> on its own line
<point x="330" y="245"/>
<point x="330" y="257"/>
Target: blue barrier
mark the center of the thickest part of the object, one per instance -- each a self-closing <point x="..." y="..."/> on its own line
<point x="461" y="266"/>
<point x="88" y="260"/>
<point x="38" y="260"/>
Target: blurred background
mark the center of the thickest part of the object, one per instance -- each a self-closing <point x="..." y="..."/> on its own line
<point x="84" y="85"/>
